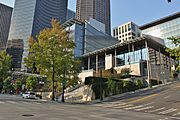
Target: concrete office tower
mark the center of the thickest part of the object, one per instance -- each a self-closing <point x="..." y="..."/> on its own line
<point x="31" y="16"/>
<point x="5" y="20"/>
<point x="96" y="9"/>
<point x="126" y="32"/>
<point x="164" y="28"/>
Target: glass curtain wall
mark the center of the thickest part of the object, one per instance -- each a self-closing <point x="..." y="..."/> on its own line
<point x="131" y="57"/>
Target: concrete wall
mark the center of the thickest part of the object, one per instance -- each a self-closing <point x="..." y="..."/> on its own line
<point x="84" y="74"/>
<point x="108" y="61"/>
<point x="135" y="68"/>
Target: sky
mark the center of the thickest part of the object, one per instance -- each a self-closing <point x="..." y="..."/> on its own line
<point x="137" y="11"/>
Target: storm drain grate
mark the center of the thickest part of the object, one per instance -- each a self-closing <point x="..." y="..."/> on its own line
<point x="27" y="115"/>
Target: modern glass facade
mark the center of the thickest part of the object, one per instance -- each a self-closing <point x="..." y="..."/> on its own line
<point x="31" y="16"/>
<point x="22" y="22"/>
<point x="86" y="37"/>
<point x="131" y="57"/>
<point x="96" y="9"/>
<point x="164" y="29"/>
<point x="45" y="11"/>
<point x="5" y="20"/>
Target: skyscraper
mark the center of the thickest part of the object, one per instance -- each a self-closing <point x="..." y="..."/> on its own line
<point x="5" y="20"/>
<point x="31" y="16"/>
<point x="96" y="9"/>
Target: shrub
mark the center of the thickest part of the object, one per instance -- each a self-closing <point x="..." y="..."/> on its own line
<point x="139" y="84"/>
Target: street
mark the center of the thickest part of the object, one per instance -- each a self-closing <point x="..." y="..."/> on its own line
<point x="162" y="103"/>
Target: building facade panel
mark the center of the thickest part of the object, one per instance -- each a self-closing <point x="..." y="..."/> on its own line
<point x="96" y="9"/>
<point x="126" y="32"/>
<point x="45" y="11"/>
<point x="164" y="28"/>
<point x="5" y="20"/>
<point x="31" y="16"/>
<point x="144" y="56"/>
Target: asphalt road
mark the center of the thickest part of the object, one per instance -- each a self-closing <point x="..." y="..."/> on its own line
<point x="164" y="100"/>
<point x="15" y="108"/>
<point x="157" y="104"/>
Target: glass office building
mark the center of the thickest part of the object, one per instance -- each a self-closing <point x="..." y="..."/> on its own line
<point x="86" y="37"/>
<point x="5" y="20"/>
<point x="164" y="28"/>
<point x="31" y="16"/>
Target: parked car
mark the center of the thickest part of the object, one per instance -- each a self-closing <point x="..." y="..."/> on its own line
<point x="29" y="95"/>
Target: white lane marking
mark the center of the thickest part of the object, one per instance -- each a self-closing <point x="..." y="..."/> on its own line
<point x="156" y="110"/>
<point x="139" y="106"/>
<point x="167" y="97"/>
<point x="145" y="108"/>
<point x="123" y="106"/>
<point x="168" y="111"/>
<point x="110" y="105"/>
<point x="26" y="102"/>
<point x="130" y="108"/>
<point x="176" y="118"/>
<point x="176" y="114"/>
<point x="1" y="102"/>
<point x="12" y="102"/>
<point x="38" y="103"/>
<point x="118" y="102"/>
<point x="164" y="119"/>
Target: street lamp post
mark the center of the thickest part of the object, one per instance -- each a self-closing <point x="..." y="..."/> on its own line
<point x="53" y="84"/>
<point x="63" y="85"/>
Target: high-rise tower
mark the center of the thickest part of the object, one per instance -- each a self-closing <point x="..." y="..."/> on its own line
<point x="31" y="16"/>
<point x="5" y="20"/>
<point x="96" y="9"/>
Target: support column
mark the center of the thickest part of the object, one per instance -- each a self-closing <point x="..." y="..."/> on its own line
<point x="148" y="65"/>
<point x="115" y="61"/>
<point x="89" y="62"/>
<point x="97" y="63"/>
<point x="133" y="52"/>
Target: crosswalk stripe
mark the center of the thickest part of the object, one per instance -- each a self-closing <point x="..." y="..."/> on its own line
<point x="145" y="108"/>
<point x="164" y="118"/>
<point x="176" y="118"/>
<point x="168" y="111"/>
<point x="123" y="106"/>
<point x="110" y="105"/>
<point x="1" y="102"/>
<point x="176" y="114"/>
<point x="139" y="106"/>
<point x="130" y="108"/>
<point x="156" y="110"/>
<point x="38" y="103"/>
<point x="26" y="102"/>
<point x="12" y="102"/>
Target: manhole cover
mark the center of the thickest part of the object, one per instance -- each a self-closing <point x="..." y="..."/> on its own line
<point x="27" y="115"/>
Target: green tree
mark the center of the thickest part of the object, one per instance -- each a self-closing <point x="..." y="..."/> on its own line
<point x="5" y="65"/>
<point x="175" y="52"/>
<point x="53" y="55"/>
<point x="7" y="85"/>
<point x="18" y="85"/>
<point x="31" y="83"/>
